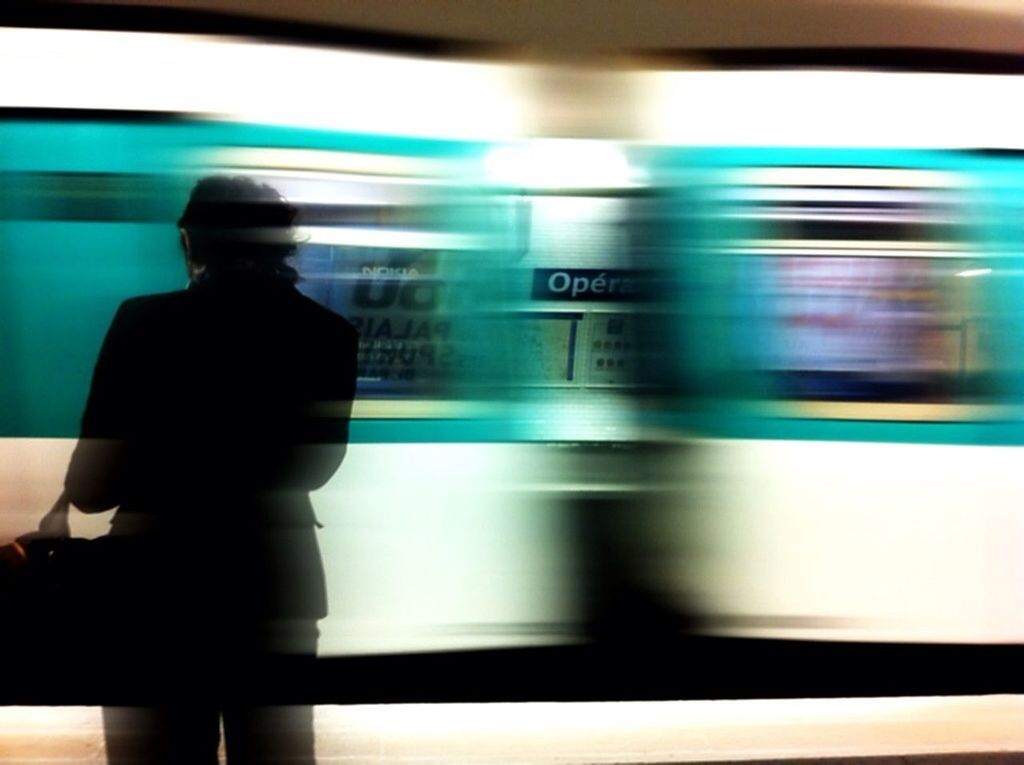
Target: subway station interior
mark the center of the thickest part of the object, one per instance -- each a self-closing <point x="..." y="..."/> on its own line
<point x="688" y="422"/>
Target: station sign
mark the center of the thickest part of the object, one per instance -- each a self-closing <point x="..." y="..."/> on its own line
<point x="588" y="284"/>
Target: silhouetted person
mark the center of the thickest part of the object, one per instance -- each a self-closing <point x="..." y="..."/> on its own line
<point x="213" y="412"/>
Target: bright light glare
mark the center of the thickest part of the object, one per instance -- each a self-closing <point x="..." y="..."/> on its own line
<point x="395" y="239"/>
<point x="846" y="182"/>
<point x="678" y="731"/>
<point x="616" y="732"/>
<point x="836" y="108"/>
<point x="372" y="93"/>
<point x="258" y="82"/>
<point x="560" y="164"/>
<point x="975" y="272"/>
<point x="321" y="161"/>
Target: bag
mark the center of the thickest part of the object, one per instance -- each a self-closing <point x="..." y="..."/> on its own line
<point x="58" y="630"/>
<point x="49" y="580"/>
<point x="23" y="560"/>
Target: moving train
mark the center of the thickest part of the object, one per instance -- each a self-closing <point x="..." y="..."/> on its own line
<point x="749" y="373"/>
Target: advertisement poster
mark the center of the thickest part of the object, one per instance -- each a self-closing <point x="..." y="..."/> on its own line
<point x="397" y="301"/>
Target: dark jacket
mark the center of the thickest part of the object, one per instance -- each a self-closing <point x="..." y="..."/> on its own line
<point x="213" y="412"/>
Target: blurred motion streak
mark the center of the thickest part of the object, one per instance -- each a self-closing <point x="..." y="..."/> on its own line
<point x="749" y="367"/>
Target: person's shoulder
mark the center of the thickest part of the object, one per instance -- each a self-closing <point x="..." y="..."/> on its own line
<point x="157" y="304"/>
<point x="328" y="319"/>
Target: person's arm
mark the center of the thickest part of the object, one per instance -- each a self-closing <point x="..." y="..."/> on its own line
<point x="300" y="446"/>
<point x="95" y="476"/>
<point x="323" y="440"/>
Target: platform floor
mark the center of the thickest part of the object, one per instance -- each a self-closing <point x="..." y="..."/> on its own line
<point x="969" y="730"/>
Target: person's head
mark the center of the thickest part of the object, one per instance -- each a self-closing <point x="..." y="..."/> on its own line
<point x="234" y="225"/>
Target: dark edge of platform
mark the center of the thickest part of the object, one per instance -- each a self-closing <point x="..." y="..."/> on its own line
<point x="689" y="669"/>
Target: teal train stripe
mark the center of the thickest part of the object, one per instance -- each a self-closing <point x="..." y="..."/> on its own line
<point x="431" y="431"/>
<point x="104" y="231"/>
<point x="87" y="213"/>
<point x="726" y="426"/>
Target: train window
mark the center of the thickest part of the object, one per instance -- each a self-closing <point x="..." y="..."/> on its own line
<point x="576" y="291"/>
<point x="855" y="293"/>
<point x="871" y="329"/>
<point x="581" y="269"/>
